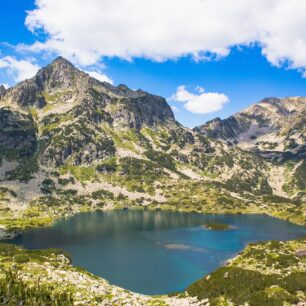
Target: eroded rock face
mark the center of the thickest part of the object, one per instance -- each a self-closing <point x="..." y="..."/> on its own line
<point x="2" y="91"/>
<point x="273" y="128"/>
<point x="79" y="143"/>
<point x="143" y="110"/>
<point x="58" y="80"/>
<point x="17" y="134"/>
<point x="227" y="129"/>
<point x="26" y="94"/>
<point x="61" y="74"/>
<point x="151" y="110"/>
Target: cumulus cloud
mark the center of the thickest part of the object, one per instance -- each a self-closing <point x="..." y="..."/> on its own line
<point x="284" y="38"/>
<point x="100" y="76"/>
<point x="169" y="29"/>
<point x="201" y="103"/>
<point x="19" y="69"/>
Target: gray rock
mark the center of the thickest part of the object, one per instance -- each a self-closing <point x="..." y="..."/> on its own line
<point x="2" y="91"/>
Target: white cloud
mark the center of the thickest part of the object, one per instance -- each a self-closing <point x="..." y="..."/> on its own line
<point x="19" y="69"/>
<point x="100" y="76"/>
<point x="202" y="103"/>
<point x="167" y="29"/>
<point x="284" y="41"/>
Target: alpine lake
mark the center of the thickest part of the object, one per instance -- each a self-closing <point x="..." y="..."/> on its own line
<point x="155" y="252"/>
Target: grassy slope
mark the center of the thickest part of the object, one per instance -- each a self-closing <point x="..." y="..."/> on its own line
<point x="268" y="273"/>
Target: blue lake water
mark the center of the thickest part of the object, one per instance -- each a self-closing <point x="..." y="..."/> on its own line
<point x="155" y="252"/>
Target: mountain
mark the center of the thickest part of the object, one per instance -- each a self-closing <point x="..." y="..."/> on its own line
<point x="69" y="109"/>
<point x="70" y="143"/>
<point x="273" y="128"/>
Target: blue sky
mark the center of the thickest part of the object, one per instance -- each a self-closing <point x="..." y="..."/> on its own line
<point x="238" y="74"/>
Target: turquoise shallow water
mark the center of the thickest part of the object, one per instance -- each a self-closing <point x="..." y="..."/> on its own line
<point x="155" y="252"/>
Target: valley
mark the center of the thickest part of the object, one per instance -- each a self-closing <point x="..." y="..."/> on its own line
<point x="70" y="143"/>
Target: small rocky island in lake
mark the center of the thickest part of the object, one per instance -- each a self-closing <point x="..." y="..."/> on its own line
<point x="217" y="226"/>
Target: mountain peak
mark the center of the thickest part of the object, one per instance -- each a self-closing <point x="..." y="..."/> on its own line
<point x="269" y="100"/>
<point x="61" y="61"/>
<point x="59" y="74"/>
<point x="60" y="64"/>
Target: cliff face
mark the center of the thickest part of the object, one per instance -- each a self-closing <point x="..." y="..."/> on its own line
<point x="227" y="129"/>
<point x="18" y="134"/>
<point x="2" y="91"/>
<point x="142" y="110"/>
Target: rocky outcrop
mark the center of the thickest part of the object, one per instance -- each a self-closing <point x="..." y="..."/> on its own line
<point x="17" y="134"/>
<point x="142" y="110"/>
<point x="60" y="80"/>
<point x="2" y="91"/>
<point x="59" y="75"/>
<point x="227" y="129"/>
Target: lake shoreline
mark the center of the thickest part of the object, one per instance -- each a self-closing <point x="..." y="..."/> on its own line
<point x="182" y="247"/>
<point x="178" y="299"/>
<point x="10" y="233"/>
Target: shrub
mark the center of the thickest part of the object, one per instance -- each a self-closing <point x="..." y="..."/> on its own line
<point x="102" y="194"/>
<point x="236" y="284"/>
<point x="13" y="291"/>
<point x="107" y="166"/>
<point x="21" y="258"/>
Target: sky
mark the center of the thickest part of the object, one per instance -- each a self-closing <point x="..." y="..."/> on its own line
<point x="208" y="58"/>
